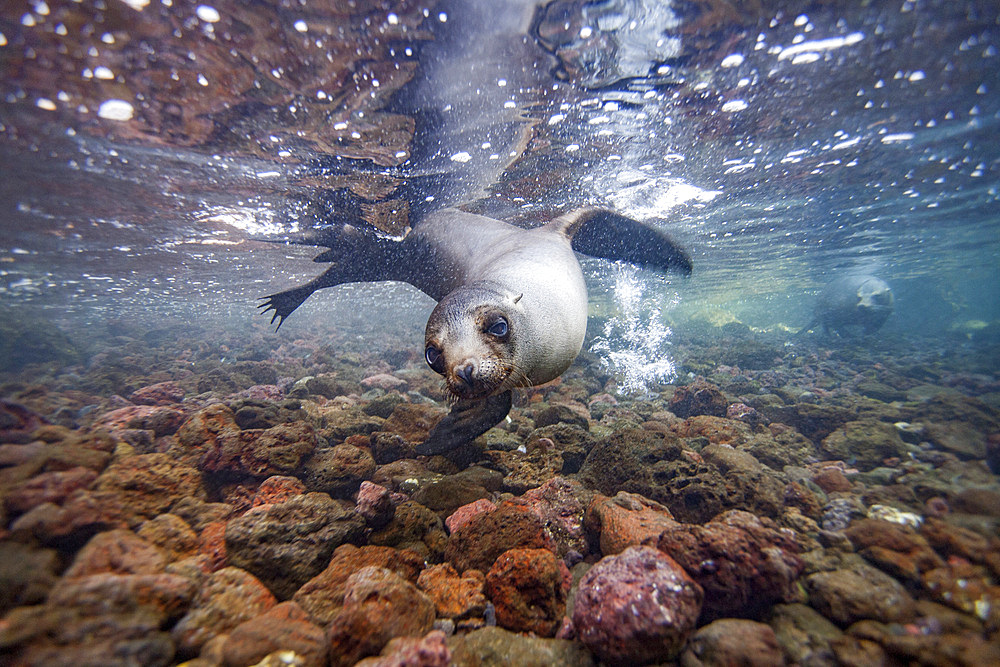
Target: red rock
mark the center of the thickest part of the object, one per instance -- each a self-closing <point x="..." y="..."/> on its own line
<point x="626" y="520"/>
<point x="831" y="480"/>
<point x="560" y="503"/>
<point x="226" y="599"/>
<point x="732" y="641"/>
<point x="117" y="552"/>
<point x="528" y="587"/>
<point x="199" y="435"/>
<point x="212" y="545"/>
<point x="462" y="515"/>
<point x="378" y="606"/>
<point x="374" y="503"/>
<point x="430" y="650"/>
<point x="149" y="484"/>
<point x="636" y="607"/>
<point x="743" y="563"/>
<point x="283" y="627"/>
<point x="172" y="535"/>
<point x="965" y="587"/>
<point x="454" y="596"/>
<point x="48" y="487"/>
<point x="481" y="540"/>
<point x="161" y="420"/>
<point x="277" y="489"/>
<point x="323" y="595"/>
<point x="162" y="393"/>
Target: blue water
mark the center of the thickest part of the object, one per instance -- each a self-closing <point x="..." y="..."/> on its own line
<point x="782" y="148"/>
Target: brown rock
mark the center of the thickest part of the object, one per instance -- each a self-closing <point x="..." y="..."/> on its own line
<point x="226" y="599"/>
<point x="895" y="548"/>
<point x="846" y="596"/>
<point x="378" y="606"/>
<point x="170" y="533"/>
<point x="528" y="587"/>
<point x="323" y="595"/>
<point x="117" y="552"/>
<point x="283" y="627"/>
<point x="626" y="520"/>
<point x="454" y="596"/>
<point x="277" y="489"/>
<point x="732" y="641"/>
<point x="149" y="484"/>
<point x="480" y="541"/>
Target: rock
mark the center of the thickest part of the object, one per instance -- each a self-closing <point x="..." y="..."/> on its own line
<point x="457" y="597"/>
<point x="893" y="547"/>
<point x="283" y="627"/>
<point x="167" y="596"/>
<point x="199" y="435"/>
<point x="226" y="599"/>
<point x="279" y="450"/>
<point x="496" y="646"/>
<point x="415" y="527"/>
<point x="462" y="515"/>
<point x="47" y="487"/>
<point x="698" y="398"/>
<point x="733" y="641"/>
<point x="374" y="504"/>
<point x="845" y="596"/>
<point x="161" y="393"/>
<point x="446" y="494"/>
<point x="172" y="535"/>
<point x="286" y="544"/>
<point x="26" y="574"/>
<point x="412" y="421"/>
<point x="831" y="480"/>
<point x="323" y="595"/>
<point x="149" y="484"/>
<point x="339" y="470"/>
<point x="264" y="414"/>
<point x="117" y="552"/>
<point x="159" y="419"/>
<point x="83" y="514"/>
<point x="476" y="544"/>
<point x="561" y="413"/>
<point x="389" y="447"/>
<point x="804" y="633"/>
<point x="742" y="562"/>
<point x="528" y="587"/>
<point x="561" y="503"/>
<point x="626" y="520"/>
<point x="865" y="443"/>
<point x="378" y="606"/>
<point x="430" y="650"/>
<point x="636" y="607"/>
<point x="277" y="489"/>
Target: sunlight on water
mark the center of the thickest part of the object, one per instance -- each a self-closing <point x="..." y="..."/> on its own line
<point x="635" y="341"/>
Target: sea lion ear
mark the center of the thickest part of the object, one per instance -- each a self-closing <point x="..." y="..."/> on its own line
<point x="518" y="297"/>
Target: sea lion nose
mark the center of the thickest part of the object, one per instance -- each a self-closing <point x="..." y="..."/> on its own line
<point x="465" y="372"/>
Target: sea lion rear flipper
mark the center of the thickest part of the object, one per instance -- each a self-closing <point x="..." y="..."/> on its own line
<point x="467" y="421"/>
<point x="602" y="233"/>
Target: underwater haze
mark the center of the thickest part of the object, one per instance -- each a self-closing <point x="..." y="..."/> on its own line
<point x="157" y="154"/>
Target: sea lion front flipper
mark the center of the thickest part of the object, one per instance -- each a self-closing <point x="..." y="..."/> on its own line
<point x="467" y="421"/>
<point x="602" y="233"/>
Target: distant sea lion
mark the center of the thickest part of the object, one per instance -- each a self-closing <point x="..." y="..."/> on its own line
<point x="852" y="303"/>
<point x="512" y="303"/>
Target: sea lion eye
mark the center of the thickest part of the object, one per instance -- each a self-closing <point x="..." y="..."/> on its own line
<point x="498" y="328"/>
<point x="434" y="359"/>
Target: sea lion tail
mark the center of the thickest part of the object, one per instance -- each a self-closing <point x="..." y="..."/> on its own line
<point x="602" y="233"/>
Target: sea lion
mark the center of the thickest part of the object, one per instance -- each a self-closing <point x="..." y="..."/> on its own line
<point x="512" y="302"/>
<point x="852" y="303"/>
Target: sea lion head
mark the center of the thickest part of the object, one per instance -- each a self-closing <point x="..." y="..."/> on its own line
<point x="471" y="340"/>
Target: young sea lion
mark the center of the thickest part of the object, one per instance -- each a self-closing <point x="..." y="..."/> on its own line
<point x="512" y="302"/>
<point x="852" y="303"/>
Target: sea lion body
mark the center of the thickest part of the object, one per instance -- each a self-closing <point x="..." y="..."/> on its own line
<point x="852" y="303"/>
<point x="512" y="302"/>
